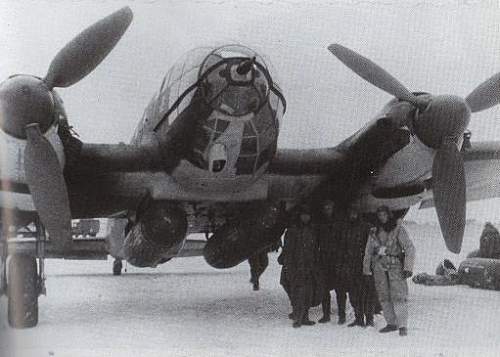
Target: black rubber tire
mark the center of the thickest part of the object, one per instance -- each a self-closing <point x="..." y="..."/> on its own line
<point x="117" y="267"/>
<point x="22" y="291"/>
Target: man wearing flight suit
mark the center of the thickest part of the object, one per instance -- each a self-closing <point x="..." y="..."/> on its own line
<point x="389" y="257"/>
<point x="327" y="231"/>
<point x="300" y="262"/>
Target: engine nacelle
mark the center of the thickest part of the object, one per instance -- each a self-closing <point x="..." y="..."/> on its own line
<point x="235" y="242"/>
<point x="157" y="236"/>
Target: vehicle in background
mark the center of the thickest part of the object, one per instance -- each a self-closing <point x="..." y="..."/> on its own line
<point x="84" y="228"/>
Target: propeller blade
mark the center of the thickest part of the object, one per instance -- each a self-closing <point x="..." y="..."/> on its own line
<point x="45" y="180"/>
<point x="373" y="73"/>
<point x="486" y="95"/>
<point x="84" y="53"/>
<point x="448" y="177"/>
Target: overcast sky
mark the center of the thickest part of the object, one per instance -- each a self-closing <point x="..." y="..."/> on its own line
<point x="436" y="46"/>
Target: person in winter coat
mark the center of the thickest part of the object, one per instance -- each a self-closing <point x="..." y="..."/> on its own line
<point x="389" y="257"/>
<point x="327" y="231"/>
<point x="489" y="243"/>
<point x="300" y="261"/>
<point x="361" y="289"/>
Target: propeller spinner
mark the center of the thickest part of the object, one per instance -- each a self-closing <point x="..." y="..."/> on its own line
<point x="440" y="123"/>
<point x="27" y="112"/>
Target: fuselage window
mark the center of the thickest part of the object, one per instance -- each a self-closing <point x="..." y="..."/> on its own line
<point x="248" y="129"/>
<point x="263" y="119"/>
<point x="202" y="138"/>
<point x="222" y="125"/>
<point x="264" y="157"/>
<point x="249" y="146"/>
<point x="211" y="123"/>
<point x="245" y="165"/>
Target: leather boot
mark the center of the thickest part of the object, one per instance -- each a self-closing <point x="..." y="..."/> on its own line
<point x="356" y="322"/>
<point x="389" y="328"/>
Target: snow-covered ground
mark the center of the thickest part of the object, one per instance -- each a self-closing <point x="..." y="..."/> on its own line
<point x="186" y="308"/>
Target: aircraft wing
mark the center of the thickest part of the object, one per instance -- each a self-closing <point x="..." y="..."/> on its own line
<point x="482" y="165"/>
<point x="106" y="179"/>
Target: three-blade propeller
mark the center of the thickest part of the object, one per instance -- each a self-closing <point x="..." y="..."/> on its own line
<point x="440" y="122"/>
<point x="44" y="174"/>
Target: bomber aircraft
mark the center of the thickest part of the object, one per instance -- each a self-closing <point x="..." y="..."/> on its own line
<point x="204" y="159"/>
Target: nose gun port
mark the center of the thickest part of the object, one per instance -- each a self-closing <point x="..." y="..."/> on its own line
<point x="217" y="157"/>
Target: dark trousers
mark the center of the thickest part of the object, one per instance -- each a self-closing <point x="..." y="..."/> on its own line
<point x="258" y="264"/>
<point x="362" y="295"/>
<point x="341" y="295"/>
<point x="301" y="293"/>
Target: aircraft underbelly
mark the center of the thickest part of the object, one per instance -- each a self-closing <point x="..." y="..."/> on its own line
<point x="369" y="203"/>
<point x="194" y="179"/>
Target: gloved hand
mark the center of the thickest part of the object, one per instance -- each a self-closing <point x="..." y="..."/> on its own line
<point x="407" y="274"/>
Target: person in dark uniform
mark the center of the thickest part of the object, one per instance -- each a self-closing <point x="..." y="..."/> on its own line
<point x="326" y="229"/>
<point x="299" y="263"/>
<point x="361" y="289"/>
<point x="285" y="275"/>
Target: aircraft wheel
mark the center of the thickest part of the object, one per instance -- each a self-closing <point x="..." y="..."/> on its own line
<point x="22" y="291"/>
<point x="117" y="267"/>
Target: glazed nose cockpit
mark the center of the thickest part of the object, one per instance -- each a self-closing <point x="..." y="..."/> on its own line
<point x="235" y="85"/>
<point x="235" y="82"/>
<point x="237" y="135"/>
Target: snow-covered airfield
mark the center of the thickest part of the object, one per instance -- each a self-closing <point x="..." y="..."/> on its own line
<point x="186" y="308"/>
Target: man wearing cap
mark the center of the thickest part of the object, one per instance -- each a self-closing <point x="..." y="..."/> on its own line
<point x="361" y="289"/>
<point x="300" y="263"/>
<point x="327" y="228"/>
<point x="389" y="257"/>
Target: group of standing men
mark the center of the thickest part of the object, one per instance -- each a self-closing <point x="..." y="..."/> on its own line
<point x="348" y="255"/>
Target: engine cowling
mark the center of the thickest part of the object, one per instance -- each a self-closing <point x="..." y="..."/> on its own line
<point x="235" y="242"/>
<point x="158" y="234"/>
